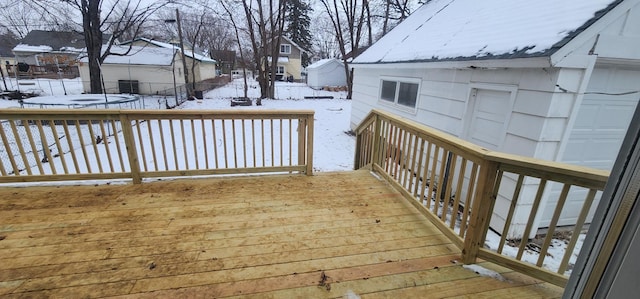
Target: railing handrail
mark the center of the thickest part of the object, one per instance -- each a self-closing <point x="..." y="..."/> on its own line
<point x="596" y="177"/>
<point x="579" y="175"/>
<point x="416" y="160"/>
<point x="239" y="143"/>
<point x="14" y="113"/>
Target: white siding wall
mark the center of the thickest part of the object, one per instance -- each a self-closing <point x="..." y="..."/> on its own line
<point x="205" y="71"/>
<point x="545" y="106"/>
<point x="441" y="103"/>
<point x="152" y="79"/>
<point x="536" y="126"/>
<point x="444" y="96"/>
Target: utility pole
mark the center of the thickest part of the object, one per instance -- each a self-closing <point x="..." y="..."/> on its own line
<point x="184" y="61"/>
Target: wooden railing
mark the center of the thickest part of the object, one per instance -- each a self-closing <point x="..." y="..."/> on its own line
<point x="55" y="145"/>
<point x="470" y="193"/>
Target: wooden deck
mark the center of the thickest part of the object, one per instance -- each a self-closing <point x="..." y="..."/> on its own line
<point x="321" y="236"/>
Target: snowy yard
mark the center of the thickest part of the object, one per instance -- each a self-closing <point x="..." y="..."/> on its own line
<point x="334" y="149"/>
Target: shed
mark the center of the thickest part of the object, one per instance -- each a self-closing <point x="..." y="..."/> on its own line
<point x="326" y="72"/>
<point x="555" y="80"/>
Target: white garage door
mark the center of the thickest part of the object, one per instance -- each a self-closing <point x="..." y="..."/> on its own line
<point x="600" y="126"/>
<point x="603" y="118"/>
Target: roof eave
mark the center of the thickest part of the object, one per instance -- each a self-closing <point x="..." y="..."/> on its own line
<point x="567" y="46"/>
<point x="518" y="62"/>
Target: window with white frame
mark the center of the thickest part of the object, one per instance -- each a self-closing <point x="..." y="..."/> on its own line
<point x="400" y="91"/>
<point x="285" y="49"/>
<point x="280" y="70"/>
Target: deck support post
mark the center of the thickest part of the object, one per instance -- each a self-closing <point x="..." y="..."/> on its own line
<point x="302" y="141"/>
<point x="130" y="144"/>
<point x="481" y="210"/>
<point x="309" y="143"/>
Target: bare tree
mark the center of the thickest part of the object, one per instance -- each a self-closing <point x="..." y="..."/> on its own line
<point x="347" y="18"/>
<point x="230" y="14"/>
<point x="21" y="17"/>
<point x="265" y="24"/>
<point x="324" y="41"/>
<point x="218" y="36"/>
<point x="123" y="19"/>
<point x="192" y="27"/>
<point x="395" y="12"/>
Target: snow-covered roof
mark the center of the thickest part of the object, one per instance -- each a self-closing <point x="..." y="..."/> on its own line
<point x="293" y="43"/>
<point x="487" y="29"/>
<point x="32" y="49"/>
<point x="187" y="52"/>
<point x="322" y="62"/>
<point x="139" y="56"/>
<point x="41" y="41"/>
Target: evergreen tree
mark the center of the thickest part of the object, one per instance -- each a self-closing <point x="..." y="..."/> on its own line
<point x="298" y="23"/>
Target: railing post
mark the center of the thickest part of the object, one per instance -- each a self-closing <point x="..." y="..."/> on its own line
<point x="373" y="146"/>
<point x="309" y="130"/>
<point x="481" y="210"/>
<point x="302" y="140"/>
<point x="357" y="155"/>
<point x="375" y="151"/>
<point x="130" y="144"/>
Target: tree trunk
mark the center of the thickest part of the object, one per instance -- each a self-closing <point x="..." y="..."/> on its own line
<point x="385" y="23"/>
<point x="93" y="41"/>
<point x="349" y="73"/>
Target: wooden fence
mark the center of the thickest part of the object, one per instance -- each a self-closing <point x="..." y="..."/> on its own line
<point x="55" y="145"/>
<point x="460" y="186"/>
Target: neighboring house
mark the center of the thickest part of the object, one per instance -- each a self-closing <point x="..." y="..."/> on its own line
<point x="289" y="60"/>
<point x="50" y="53"/>
<point x="205" y="67"/>
<point x="226" y="60"/>
<point x="326" y="72"/>
<point x="555" y="80"/>
<point x="143" y="70"/>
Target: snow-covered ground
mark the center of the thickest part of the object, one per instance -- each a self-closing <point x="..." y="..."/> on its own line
<point x="333" y="148"/>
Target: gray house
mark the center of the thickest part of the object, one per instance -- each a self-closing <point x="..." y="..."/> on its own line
<point x="555" y="80"/>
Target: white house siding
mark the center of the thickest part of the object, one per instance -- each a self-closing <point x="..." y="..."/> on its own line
<point x="597" y="133"/>
<point x="152" y="78"/>
<point x="293" y="67"/>
<point x="554" y="116"/>
<point x="601" y="120"/>
<point x="205" y="71"/>
<point x="603" y="117"/>
<point x="535" y="127"/>
<point x="444" y="98"/>
<point x="440" y="103"/>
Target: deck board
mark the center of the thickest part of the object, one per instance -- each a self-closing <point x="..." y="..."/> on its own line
<point x="260" y="237"/>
